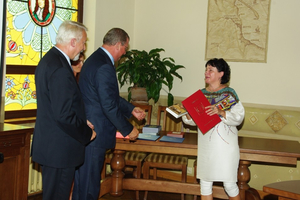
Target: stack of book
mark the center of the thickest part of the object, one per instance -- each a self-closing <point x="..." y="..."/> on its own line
<point x="152" y="129"/>
<point x="150" y="132"/>
<point x="177" y="134"/>
<point x="171" y="139"/>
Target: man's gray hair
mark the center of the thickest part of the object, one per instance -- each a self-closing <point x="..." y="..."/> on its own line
<point x="69" y="30"/>
<point x="115" y="35"/>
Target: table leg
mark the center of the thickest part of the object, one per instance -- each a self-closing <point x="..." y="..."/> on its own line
<point x="246" y="193"/>
<point x="117" y="165"/>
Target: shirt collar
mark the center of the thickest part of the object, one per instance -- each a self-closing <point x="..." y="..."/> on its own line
<point x="109" y="55"/>
<point x="66" y="56"/>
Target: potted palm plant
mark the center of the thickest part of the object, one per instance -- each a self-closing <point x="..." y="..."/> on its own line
<point x="148" y="70"/>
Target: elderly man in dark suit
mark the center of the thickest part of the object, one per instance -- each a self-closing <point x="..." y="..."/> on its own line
<point x="105" y="109"/>
<point x="61" y="130"/>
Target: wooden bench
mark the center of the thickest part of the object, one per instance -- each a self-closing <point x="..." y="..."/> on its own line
<point x="284" y="189"/>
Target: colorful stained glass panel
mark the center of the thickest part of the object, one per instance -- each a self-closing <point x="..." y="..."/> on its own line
<point x="31" y="30"/>
<point x="20" y="92"/>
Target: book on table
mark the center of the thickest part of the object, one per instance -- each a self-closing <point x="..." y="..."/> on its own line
<point x="151" y="133"/>
<point x="141" y="136"/>
<point x="176" y="110"/>
<point x="195" y="105"/>
<point x="151" y="129"/>
<point x="177" y="134"/>
<point x="171" y="139"/>
<point x="145" y="136"/>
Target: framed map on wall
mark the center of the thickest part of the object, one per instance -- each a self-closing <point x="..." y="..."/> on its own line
<point x="31" y="28"/>
<point x="238" y="30"/>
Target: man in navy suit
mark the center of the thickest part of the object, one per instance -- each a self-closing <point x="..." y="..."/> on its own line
<point x="106" y="110"/>
<point x="61" y="131"/>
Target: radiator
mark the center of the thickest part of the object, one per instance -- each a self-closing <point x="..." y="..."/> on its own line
<point x="35" y="176"/>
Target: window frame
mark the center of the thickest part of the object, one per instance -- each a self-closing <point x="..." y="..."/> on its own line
<point x="30" y="69"/>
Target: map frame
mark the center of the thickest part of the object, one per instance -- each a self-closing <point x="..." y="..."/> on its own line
<point x="237" y="30"/>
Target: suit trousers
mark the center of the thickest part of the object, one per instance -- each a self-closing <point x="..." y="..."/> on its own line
<point x="88" y="176"/>
<point x="57" y="182"/>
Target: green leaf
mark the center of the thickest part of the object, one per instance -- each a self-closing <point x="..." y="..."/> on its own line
<point x="148" y="70"/>
<point x="170" y="99"/>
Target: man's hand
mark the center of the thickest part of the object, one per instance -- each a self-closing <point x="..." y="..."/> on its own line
<point x="138" y="113"/>
<point x="134" y="134"/>
<point x="93" y="135"/>
<point x="92" y="127"/>
<point x="90" y="124"/>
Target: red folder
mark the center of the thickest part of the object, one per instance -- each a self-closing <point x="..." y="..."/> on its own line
<point x="195" y="105"/>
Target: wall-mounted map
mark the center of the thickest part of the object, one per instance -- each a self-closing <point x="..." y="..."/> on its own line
<point x="237" y="30"/>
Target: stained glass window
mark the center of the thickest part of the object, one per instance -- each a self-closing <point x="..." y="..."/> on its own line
<point x="20" y="92"/>
<point x="31" y="30"/>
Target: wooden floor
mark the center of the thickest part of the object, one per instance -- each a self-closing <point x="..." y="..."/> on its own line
<point x="130" y="195"/>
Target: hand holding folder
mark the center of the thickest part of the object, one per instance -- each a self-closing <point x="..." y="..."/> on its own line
<point x="195" y="105"/>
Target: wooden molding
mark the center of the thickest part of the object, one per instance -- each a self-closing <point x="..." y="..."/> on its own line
<point x="20" y="114"/>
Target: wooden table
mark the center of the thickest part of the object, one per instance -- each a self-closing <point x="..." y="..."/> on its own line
<point x="251" y="149"/>
<point x="14" y="165"/>
<point x="284" y="189"/>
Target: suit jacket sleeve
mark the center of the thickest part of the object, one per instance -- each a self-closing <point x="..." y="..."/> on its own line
<point x="126" y="107"/>
<point x="114" y="107"/>
<point x="67" y="105"/>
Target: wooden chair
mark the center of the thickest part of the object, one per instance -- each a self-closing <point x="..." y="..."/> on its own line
<point x="165" y="161"/>
<point x="195" y="177"/>
<point x="168" y="122"/>
<point x="132" y="158"/>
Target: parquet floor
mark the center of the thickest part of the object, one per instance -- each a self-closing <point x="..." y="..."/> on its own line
<point x="130" y="195"/>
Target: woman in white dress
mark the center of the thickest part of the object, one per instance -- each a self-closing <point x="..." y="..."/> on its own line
<point x="218" y="149"/>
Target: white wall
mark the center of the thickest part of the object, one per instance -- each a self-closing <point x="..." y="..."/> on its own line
<point x="102" y="15"/>
<point x="179" y="26"/>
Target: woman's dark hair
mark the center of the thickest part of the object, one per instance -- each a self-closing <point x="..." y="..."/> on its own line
<point x="221" y="66"/>
<point x="78" y="61"/>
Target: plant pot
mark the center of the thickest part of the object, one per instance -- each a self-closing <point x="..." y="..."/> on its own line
<point x="139" y="96"/>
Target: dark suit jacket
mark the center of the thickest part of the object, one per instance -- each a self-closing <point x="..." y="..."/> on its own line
<point x="61" y="130"/>
<point x="103" y="104"/>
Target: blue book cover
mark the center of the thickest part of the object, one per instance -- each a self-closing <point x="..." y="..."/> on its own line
<point x="145" y="136"/>
<point x="171" y="139"/>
